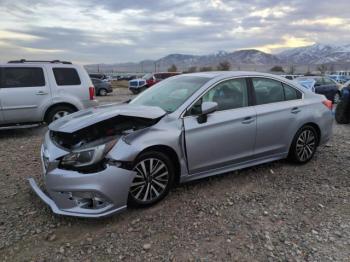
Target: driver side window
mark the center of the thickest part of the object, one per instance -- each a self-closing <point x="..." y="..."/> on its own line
<point x="229" y="94"/>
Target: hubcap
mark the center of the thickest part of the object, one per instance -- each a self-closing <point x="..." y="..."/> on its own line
<point x="336" y="99"/>
<point x="150" y="181"/>
<point x="306" y="144"/>
<point x="60" y="114"/>
<point x="103" y="92"/>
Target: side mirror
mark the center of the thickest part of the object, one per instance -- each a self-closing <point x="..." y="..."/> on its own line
<point x="206" y="108"/>
<point x="209" y="107"/>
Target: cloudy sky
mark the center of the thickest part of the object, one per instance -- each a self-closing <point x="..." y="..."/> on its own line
<point x="109" y="31"/>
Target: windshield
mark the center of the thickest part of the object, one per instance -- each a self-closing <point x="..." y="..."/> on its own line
<point x="147" y="76"/>
<point x="170" y="94"/>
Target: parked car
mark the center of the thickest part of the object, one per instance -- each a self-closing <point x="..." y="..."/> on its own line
<point x="341" y="79"/>
<point x="342" y="111"/>
<point x="291" y="77"/>
<point x="323" y="85"/>
<point x="187" y="127"/>
<point x="32" y="92"/>
<point x="99" y="76"/>
<point x="140" y="84"/>
<point x="102" y="88"/>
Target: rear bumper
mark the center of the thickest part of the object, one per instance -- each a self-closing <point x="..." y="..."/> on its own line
<point x="91" y="195"/>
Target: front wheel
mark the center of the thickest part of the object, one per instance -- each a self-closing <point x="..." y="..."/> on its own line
<point x="154" y="178"/>
<point x="304" y="145"/>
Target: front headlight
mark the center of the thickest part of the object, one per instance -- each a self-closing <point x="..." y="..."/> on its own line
<point x="87" y="156"/>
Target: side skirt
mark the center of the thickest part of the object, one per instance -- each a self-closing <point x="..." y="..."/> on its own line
<point x="226" y="169"/>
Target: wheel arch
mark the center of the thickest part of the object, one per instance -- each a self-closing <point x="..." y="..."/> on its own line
<point x="56" y="105"/>
<point x="315" y="126"/>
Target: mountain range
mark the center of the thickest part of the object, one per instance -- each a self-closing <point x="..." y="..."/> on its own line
<point x="309" y="55"/>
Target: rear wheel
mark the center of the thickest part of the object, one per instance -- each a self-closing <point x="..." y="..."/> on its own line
<point x="304" y="145"/>
<point x="154" y="178"/>
<point x="102" y="92"/>
<point x="58" y="112"/>
<point x="342" y="112"/>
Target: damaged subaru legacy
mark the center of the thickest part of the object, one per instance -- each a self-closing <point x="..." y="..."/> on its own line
<point x="98" y="161"/>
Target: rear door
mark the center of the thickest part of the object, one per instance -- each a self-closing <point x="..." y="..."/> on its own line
<point x="279" y="108"/>
<point x="24" y="94"/>
<point x="68" y="85"/>
<point x="228" y="135"/>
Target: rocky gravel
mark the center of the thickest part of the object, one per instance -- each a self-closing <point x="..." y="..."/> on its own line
<point x="272" y="212"/>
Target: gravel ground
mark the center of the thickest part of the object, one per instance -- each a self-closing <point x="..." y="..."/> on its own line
<point x="273" y="212"/>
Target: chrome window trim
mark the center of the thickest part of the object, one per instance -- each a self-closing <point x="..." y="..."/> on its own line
<point x="182" y="115"/>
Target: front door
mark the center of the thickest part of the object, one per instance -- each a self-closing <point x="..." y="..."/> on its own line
<point x="228" y="135"/>
<point x="23" y="94"/>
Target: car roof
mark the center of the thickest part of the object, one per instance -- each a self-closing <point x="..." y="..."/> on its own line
<point x="224" y="74"/>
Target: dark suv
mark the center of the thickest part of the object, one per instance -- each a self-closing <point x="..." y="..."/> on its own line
<point x="324" y="86"/>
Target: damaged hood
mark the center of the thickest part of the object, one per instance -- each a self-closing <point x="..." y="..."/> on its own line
<point x="91" y="116"/>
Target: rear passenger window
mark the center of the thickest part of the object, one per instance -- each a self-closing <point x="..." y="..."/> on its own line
<point x="23" y="77"/>
<point x="267" y="91"/>
<point x="291" y="93"/>
<point x="66" y="76"/>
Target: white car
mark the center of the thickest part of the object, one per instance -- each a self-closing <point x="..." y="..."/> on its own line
<point x="32" y="92"/>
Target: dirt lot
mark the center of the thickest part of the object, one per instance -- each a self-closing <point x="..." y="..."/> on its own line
<point x="273" y="212"/>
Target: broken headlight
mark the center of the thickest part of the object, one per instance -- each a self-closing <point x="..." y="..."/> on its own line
<point x="87" y="156"/>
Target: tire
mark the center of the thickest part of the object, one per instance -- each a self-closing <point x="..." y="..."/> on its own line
<point x="342" y="112"/>
<point x="102" y="92"/>
<point x="147" y="190"/>
<point x="58" y="112"/>
<point x="304" y="145"/>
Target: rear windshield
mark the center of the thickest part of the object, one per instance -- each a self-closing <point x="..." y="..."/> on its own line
<point x="66" y="76"/>
<point x="23" y="77"/>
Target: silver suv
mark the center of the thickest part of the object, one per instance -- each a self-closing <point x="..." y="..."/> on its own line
<point x="42" y="91"/>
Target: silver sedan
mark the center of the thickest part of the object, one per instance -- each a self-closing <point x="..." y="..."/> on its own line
<point x="98" y="161"/>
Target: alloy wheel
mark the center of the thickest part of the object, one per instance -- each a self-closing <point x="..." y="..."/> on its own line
<point x="336" y="98"/>
<point x="60" y="114"/>
<point x="150" y="181"/>
<point x="306" y="144"/>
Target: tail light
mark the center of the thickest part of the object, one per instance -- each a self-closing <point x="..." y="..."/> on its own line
<point x="92" y="92"/>
<point x="328" y="104"/>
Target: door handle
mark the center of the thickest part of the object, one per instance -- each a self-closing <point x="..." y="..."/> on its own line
<point x="40" y="93"/>
<point x="295" y="110"/>
<point x="248" y="120"/>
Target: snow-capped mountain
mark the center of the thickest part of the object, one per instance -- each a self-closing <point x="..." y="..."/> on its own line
<point x="316" y="54"/>
<point x="310" y="55"/>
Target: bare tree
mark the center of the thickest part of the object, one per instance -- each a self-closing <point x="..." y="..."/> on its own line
<point x="322" y="68"/>
<point x="173" y="68"/>
<point x="224" y="66"/>
<point x="192" y="69"/>
<point x="292" y="69"/>
<point x="205" y="68"/>
<point x="277" y="69"/>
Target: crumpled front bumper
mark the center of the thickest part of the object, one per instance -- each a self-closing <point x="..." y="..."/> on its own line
<point x="77" y="194"/>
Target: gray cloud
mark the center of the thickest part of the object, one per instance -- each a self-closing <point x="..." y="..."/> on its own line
<point x="120" y="31"/>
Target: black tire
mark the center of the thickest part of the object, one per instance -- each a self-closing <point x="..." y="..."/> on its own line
<point x="146" y="189"/>
<point x="52" y="113"/>
<point x="342" y="112"/>
<point x="135" y="92"/>
<point x="303" y="150"/>
<point x="102" y="92"/>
